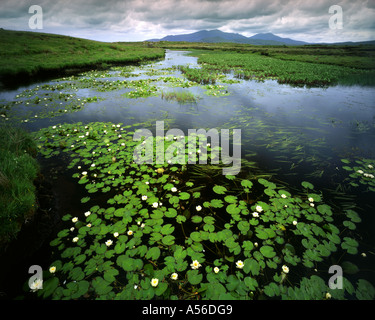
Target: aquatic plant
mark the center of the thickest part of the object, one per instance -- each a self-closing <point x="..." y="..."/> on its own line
<point x="182" y="97"/>
<point x="198" y="75"/>
<point x="162" y="234"/>
<point x="362" y="173"/>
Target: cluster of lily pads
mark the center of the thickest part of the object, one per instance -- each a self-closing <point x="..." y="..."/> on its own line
<point x="162" y="234"/>
<point x="362" y="173"/>
<point x="61" y="96"/>
<point x="44" y="102"/>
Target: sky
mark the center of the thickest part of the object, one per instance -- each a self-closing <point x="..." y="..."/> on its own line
<point x="139" y="20"/>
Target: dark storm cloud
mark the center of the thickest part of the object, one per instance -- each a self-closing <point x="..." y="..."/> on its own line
<point x="113" y="20"/>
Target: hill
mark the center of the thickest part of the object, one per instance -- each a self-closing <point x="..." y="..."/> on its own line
<point x="24" y="54"/>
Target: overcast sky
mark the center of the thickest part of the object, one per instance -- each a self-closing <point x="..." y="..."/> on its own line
<point x="137" y="20"/>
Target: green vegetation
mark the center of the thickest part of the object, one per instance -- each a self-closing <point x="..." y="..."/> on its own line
<point x="18" y="170"/>
<point x="309" y="65"/>
<point x="30" y="53"/>
<point x="352" y="56"/>
<point x="182" y="97"/>
<point x="261" y="67"/>
<point x="362" y="173"/>
<point x="163" y="234"/>
<point x="201" y="76"/>
<point x="186" y="232"/>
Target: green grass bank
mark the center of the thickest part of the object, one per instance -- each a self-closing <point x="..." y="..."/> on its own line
<point x="18" y="170"/>
<point x="28" y="54"/>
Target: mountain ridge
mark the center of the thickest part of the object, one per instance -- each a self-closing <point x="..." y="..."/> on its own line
<point x="215" y="36"/>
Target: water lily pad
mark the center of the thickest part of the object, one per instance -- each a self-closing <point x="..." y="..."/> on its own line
<point x="267" y="251"/>
<point x="219" y="189"/>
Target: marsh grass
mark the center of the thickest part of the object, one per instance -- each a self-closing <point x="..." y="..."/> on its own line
<point x="199" y="75"/>
<point x="311" y="66"/>
<point x="182" y="97"/>
<point x="18" y="170"/>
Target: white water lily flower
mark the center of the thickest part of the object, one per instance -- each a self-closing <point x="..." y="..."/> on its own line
<point x="154" y="282"/>
<point x="72" y="229"/>
<point x="371" y="176"/>
<point x="174" y="189"/>
<point x="360" y="171"/>
<point x="195" y="264"/>
<point x="52" y="269"/>
<point x="144" y="197"/>
<point x="240" y="264"/>
<point x="216" y="270"/>
<point x="84" y="173"/>
<point x="36" y="285"/>
<point x="295" y="222"/>
<point x="88" y="225"/>
<point x="108" y="243"/>
<point x="259" y="208"/>
<point x="130" y="232"/>
<point x="115" y="234"/>
<point x="75" y="239"/>
<point x="174" y="276"/>
<point x="370" y="166"/>
<point x="155" y="204"/>
<point x="255" y="214"/>
<point x="312" y="204"/>
<point x="283" y="196"/>
<point x="198" y="208"/>
<point x="93" y="165"/>
<point x="328" y="295"/>
<point x="75" y="219"/>
<point x="285" y="268"/>
<point x="87" y="213"/>
<point x="311" y="199"/>
<point x="143" y="225"/>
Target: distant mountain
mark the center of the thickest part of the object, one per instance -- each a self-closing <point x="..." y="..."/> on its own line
<point x="215" y="36"/>
<point x="272" y="37"/>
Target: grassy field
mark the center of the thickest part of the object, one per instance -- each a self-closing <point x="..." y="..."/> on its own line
<point x="30" y="53"/>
